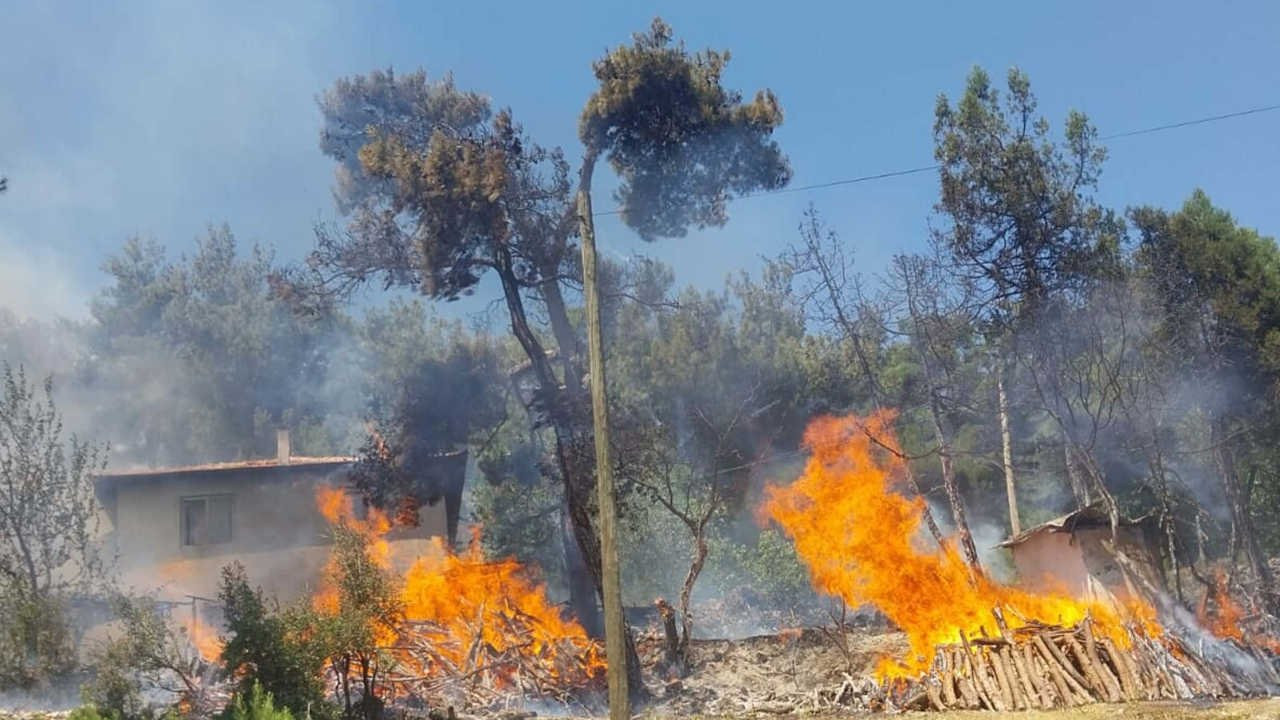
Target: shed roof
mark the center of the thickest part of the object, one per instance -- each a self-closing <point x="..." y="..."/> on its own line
<point x="1090" y="516"/>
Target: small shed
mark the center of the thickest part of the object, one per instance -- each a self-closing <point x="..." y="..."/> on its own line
<point x="1075" y="554"/>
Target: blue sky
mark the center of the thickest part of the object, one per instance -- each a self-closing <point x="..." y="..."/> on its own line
<point x="159" y="118"/>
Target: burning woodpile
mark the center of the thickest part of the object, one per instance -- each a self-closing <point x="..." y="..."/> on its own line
<point x="471" y="632"/>
<point x="1049" y="666"/>
<point x="975" y="643"/>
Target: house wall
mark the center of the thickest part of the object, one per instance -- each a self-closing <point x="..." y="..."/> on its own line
<point x="277" y="532"/>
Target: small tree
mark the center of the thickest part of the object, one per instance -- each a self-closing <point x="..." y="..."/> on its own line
<point x="148" y="654"/>
<point x="48" y="524"/>
<point x="365" y="621"/>
<point x="278" y="652"/>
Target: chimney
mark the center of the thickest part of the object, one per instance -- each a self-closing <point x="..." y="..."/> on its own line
<point x="282" y="446"/>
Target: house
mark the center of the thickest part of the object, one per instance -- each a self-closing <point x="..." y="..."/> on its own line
<point x="173" y="529"/>
<point x="1075" y="553"/>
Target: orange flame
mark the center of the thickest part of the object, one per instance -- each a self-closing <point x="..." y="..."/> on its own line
<point x="204" y="640"/>
<point x="456" y="601"/>
<point x="464" y="599"/>
<point x="337" y="507"/>
<point x="857" y="537"/>
<point x="1224" y="619"/>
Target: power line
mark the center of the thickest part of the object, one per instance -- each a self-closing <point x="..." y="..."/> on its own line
<point x="929" y="168"/>
<point x="1188" y="123"/>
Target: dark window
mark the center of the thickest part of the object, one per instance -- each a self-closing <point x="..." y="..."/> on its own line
<point x="206" y="520"/>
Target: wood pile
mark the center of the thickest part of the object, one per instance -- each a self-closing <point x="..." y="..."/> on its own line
<point x="1048" y="666"/>
<point x="482" y="677"/>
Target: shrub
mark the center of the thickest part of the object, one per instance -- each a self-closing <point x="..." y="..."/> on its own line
<point x="283" y="653"/>
<point x="259" y="705"/>
<point x="147" y="654"/>
<point x="90" y="712"/>
<point x="35" y="640"/>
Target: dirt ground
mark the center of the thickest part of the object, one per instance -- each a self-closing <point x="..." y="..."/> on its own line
<point x="794" y="675"/>
<point x="1268" y="709"/>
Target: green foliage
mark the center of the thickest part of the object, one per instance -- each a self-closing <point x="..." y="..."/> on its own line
<point x="481" y="195"/>
<point x="212" y="360"/>
<point x="48" y="524"/>
<point x="91" y="712"/>
<point x="368" y="611"/>
<point x="36" y="644"/>
<point x="769" y="567"/>
<point x="144" y="654"/>
<point x="1017" y="214"/>
<point x="256" y="704"/>
<point x="279" y="653"/>
<point x="433" y="388"/>
<point x="681" y="143"/>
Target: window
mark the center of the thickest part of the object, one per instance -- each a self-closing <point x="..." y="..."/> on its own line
<point x="206" y="520"/>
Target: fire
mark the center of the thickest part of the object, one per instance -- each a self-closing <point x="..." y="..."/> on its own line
<point x="337" y="507"/>
<point x="204" y="640"/>
<point x="462" y="599"/>
<point x="858" y="538"/>
<point x="1224" y="619"/>
<point x="457" y="602"/>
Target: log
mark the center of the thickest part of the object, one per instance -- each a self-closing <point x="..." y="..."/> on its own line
<point x="1014" y="659"/>
<point x="1044" y="684"/>
<point x="1073" y="692"/>
<point x="983" y="681"/>
<point x="935" y="696"/>
<point x="968" y="693"/>
<point x="1128" y="683"/>
<point x="1109" y="682"/>
<point x="1067" y="666"/>
<point x="947" y="676"/>
<point x="1007" y="690"/>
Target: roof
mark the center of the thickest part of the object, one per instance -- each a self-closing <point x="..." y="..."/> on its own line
<point x="271" y="463"/>
<point x="1090" y="516"/>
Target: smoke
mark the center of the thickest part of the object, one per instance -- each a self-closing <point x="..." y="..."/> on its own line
<point x="34" y="283"/>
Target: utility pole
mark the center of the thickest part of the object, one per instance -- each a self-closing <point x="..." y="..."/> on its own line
<point x="615" y="639"/>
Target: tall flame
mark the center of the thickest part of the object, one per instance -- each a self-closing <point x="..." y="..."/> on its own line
<point x="205" y="641"/>
<point x="337" y="507"/>
<point x="858" y="538"/>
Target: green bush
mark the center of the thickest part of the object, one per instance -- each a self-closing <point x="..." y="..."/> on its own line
<point x="90" y="712"/>
<point x="147" y="653"/>
<point x="283" y="653"/>
<point x="770" y="567"/>
<point x="259" y="705"/>
<point x="35" y="640"/>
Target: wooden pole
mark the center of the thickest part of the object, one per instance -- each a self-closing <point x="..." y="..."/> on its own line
<point x="614" y="628"/>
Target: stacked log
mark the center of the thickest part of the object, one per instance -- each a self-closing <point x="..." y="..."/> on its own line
<point x="1040" y="666"/>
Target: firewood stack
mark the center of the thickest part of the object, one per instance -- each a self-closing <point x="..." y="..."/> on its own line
<point x="488" y="678"/>
<point x="1048" y="666"/>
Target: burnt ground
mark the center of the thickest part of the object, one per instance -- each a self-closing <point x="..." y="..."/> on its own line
<point x="804" y="673"/>
<point x="795" y="671"/>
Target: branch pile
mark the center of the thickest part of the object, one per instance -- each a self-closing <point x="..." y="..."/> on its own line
<point x="480" y="676"/>
<point x="1048" y="666"/>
